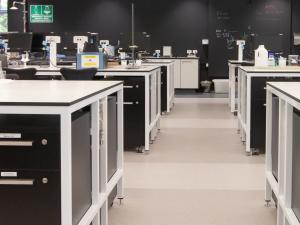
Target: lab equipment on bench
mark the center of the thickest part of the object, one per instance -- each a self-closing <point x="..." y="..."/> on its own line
<point x="80" y="41"/>
<point x="156" y="53"/>
<point x="293" y="60"/>
<point x="167" y="51"/>
<point x="261" y="56"/>
<point x="91" y="60"/>
<point x="282" y="61"/>
<point x="241" y="44"/>
<point x="191" y="53"/>
<point x="53" y="41"/>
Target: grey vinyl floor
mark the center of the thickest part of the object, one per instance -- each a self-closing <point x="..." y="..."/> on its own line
<point x="197" y="173"/>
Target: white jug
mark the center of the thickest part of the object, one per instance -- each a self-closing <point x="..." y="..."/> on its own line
<point x="261" y="56"/>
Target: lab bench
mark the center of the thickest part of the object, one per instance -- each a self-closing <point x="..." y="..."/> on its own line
<point x="252" y="100"/>
<point x="142" y="103"/>
<point x="142" y="100"/>
<point x="233" y="75"/>
<point x="282" y="150"/>
<point x="54" y="151"/>
<point x="167" y="82"/>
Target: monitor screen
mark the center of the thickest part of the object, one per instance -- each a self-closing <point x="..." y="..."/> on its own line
<point x="37" y="42"/>
<point x="19" y="42"/>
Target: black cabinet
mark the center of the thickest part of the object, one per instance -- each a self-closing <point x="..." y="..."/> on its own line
<point x="30" y="182"/>
<point x="134" y="110"/>
<point x="164" y="88"/>
<point x="258" y="109"/>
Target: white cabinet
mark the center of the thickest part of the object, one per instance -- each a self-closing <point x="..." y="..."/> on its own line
<point x="177" y="73"/>
<point x="186" y="72"/>
<point x="189" y="70"/>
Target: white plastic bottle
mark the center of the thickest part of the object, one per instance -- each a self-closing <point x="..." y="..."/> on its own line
<point x="261" y="56"/>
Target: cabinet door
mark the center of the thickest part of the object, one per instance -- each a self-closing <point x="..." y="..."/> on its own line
<point x="177" y="72"/>
<point x="189" y="74"/>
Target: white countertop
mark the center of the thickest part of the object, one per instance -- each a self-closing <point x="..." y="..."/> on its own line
<point x="158" y="61"/>
<point x="54" y="93"/>
<point x="239" y="62"/>
<point x="163" y="57"/>
<point x="292" y="89"/>
<point x="143" y="68"/>
<point x="43" y="68"/>
<point x="271" y="69"/>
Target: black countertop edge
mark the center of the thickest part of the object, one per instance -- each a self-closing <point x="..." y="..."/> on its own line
<point x="57" y="104"/>
<point x="242" y="63"/>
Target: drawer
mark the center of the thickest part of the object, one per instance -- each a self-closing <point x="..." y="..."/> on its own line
<point x="29" y="142"/>
<point x="33" y="198"/>
<point x="134" y="88"/>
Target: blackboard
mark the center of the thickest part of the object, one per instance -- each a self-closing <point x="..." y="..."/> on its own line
<point x="256" y="21"/>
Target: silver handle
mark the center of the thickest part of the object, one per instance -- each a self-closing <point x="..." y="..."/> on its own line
<point x="17" y="182"/>
<point x="131" y="103"/>
<point x="16" y="143"/>
<point x="129" y="87"/>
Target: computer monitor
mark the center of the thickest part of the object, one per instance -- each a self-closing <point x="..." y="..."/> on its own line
<point x="93" y="38"/>
<point x="37" y="42"/>
<point x="20" y="42"/>
<point x="68" y="45"/>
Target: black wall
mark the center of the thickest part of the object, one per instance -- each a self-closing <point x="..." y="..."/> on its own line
<point x="182" y="24"/>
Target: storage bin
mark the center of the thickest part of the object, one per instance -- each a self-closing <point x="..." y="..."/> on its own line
<point x="221" y="86"/>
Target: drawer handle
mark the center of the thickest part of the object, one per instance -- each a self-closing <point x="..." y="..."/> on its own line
<point x="129" y="87"/>
<point x="17" y="182"/>
<point x="16" y="143"/>
<point x="131" y="103"/>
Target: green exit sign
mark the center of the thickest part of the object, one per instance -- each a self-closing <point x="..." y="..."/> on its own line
<point x="41" y="14"/>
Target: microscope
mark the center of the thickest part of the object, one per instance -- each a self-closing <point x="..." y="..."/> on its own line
<point x="53" y="41"/>
<point x="80" y="40"/>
